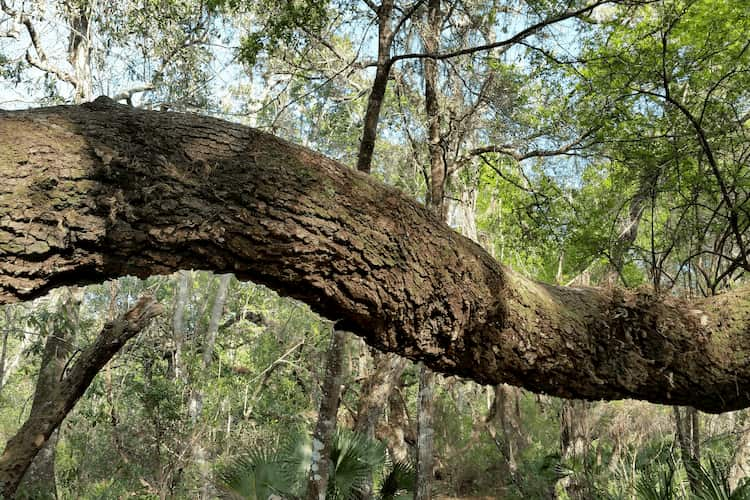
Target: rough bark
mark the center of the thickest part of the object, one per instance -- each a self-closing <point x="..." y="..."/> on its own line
<point x="377" y="387"/>
<point x="325" y="428"/>
<point x="100" y="190"/>
<point x="398" y="431"/>
<point x="46" y="418"/>
<point x="506" y="413"/>
<point x="687" y="427"/>
<point x="740" y="463"/>
<point x="438" y="179"/>
<point x="574" y="444"/>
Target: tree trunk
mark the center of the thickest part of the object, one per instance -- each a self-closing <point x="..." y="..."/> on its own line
<point x="574" y="444"/>
<point x="438" y="179"/>
<point x="101" y="190"/>
<point x="376" y="390"/>
<point x="505" y="415"/>
<point x="688" y="436"/>
<point x="196" y="396"/>
<point x="178" y="325"/>
<point x="398" y="431"/>
<point x="379" y="86"/>
<point x="46" y="416"/>
<point x="425" y="433"/>
<point x="4" y="352"/>
<point x="39" y="480"/>
<point x="436" y="201"/>
<point x="326" y="426"/>
<point x="740" y="464"/>
<point x="79" y="48"/>
<point x="11" y="366"/>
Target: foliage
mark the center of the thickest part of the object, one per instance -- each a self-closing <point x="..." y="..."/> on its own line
<point x="657" y="483"/>
<point x="287" y="23"/>
<point x="257" y="475"/>
<point x="713" y="483"/>
<point x="354" y="458"/>
<point x="654" y="91"/>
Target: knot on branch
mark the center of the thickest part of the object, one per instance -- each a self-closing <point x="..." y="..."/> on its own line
<point x="144" y="310"/>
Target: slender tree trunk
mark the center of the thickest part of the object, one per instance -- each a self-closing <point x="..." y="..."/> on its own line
<point x="629" y="228"/>
<point x="574" y="443"/>
<point x="196" y="396"/>
<point x="39" y="480"/>
<point x="438" y="165"/>
<point x="740" y="465"/>
<point x="14" y="363"/>
<point x="375" y="393"/>
<point x="505" y="406"/>
<point x="425" y="433"/>
<point x="217" y="311"/>
<point x="687" y="428"/>
<point x="79" y="47"/>
<point x="379" y="86"/>
<point x="46" y="416"/>
<point x="399" y="431"/>
<point x="4" y="353"/>
<point x="325" y="428"/>
<point x="178" y="324"/>
<point x="426" y="405"/>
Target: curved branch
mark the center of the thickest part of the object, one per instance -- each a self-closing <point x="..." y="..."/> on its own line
<point x="102" y="190"/>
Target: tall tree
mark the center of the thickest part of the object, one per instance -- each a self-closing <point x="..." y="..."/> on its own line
<point x="325" y="428"/>
<point x="196" y="396"/>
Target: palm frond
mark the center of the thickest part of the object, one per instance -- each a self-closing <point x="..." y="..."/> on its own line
<point x="255" y="475"/>
<point x="656" y="483"/>
<point x="400" y="480"/>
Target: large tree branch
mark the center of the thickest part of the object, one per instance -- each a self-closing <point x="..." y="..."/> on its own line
<point x="102" y="190"/>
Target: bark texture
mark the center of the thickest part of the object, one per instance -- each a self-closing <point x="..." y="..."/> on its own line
<point x="376" y="390"/>
<point x="101" y="190"/>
